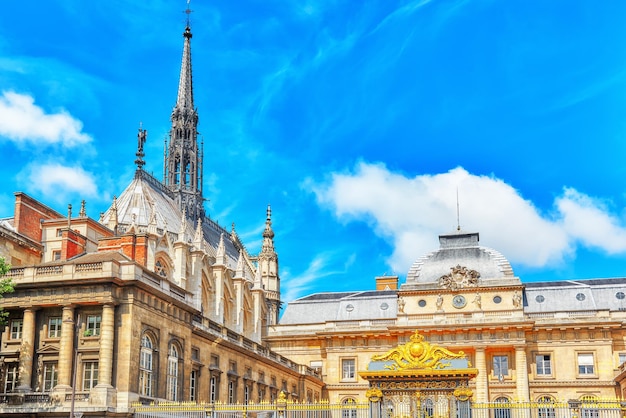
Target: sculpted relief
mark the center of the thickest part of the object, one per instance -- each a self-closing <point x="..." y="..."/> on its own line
<point x="459" y="277"/>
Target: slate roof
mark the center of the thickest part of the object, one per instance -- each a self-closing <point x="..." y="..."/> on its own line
<point x="146" y="194"/>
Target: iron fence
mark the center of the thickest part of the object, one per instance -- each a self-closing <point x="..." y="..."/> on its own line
<point x="615" y="408"/>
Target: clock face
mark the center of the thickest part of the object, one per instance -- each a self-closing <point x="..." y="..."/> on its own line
<point x="458" y="301"/>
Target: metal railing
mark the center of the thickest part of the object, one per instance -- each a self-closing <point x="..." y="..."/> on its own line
<point x="612" y="408"/>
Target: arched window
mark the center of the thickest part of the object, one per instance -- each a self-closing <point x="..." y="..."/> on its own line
<point x="503" y="411"/>
<point x="589" y="407"/>
<point x="546" y="407"/>
<point x="160" y="268"/>
<point x="428" y="408"/>
<point x="348" y="408"/>
<point x="146" y="365"/>
<point x="172" y="373"/>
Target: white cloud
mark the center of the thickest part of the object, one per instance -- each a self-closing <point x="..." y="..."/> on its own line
<point x="588" y="221"/>
<point x="317" y="269"/>
<point x="56" y="181"/>
<point x="411" y="212"/>
<point x="23" y="121"/>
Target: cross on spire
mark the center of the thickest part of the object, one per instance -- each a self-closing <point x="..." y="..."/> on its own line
<point x="188" y="11"/>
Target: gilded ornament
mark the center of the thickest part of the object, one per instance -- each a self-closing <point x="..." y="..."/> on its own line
<point x="418" y="354"/>
<point x="373" y="394"/>
<point x="463" y="394"/>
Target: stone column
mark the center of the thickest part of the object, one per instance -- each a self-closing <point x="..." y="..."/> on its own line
<point x="521" y="373"/>
<point x="481" y="379"/>
<point x="27" y="351"/>
<point x="104" y="394"/>
<point x="105" y="365"/>
<point x="66" y="349"/>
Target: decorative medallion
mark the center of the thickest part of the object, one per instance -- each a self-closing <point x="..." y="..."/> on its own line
<point x="459" y="278"/>
<point x="418" y="354"/>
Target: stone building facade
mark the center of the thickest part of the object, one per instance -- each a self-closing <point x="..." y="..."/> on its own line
<point x="153" y="301"/>
<point x="549" y="341"/>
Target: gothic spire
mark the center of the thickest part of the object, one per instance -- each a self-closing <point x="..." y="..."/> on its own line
<point x="185" y="83"/>
<point x="183" y="157"/>
<point x="268" y="234"/>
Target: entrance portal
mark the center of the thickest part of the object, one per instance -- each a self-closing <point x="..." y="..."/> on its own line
<point x="420" y="380"/>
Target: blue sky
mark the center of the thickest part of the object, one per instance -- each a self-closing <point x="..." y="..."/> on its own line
<point x="357" y="121"/>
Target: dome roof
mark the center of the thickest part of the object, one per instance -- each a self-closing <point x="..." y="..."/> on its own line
<point x="459" y="262"/>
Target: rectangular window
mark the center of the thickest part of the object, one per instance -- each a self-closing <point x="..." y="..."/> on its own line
<point x="54" y="327"/>
<point x="93" y="325"/>
<point x="500" y="366"/>
<point x="246" y="394"/>
<point x="193" y="381"/>
<point x="213" y="395"/>
<point x="16" y="329"/>
<point x="585" y="363"/>
<point x="11" y="377"/>
<point x="544" y="364"/>
<point x="215" y="361"/>
<point x="232" y="398"/>
<point x="59" y="232"/>
<point x="622" y="358"/>
<point x="348" y="368"/>
<point x="90" y="375"/>
<point x="49" y="376"/>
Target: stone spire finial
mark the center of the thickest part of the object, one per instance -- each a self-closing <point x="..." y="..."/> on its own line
<point x="113" y="218"/>
<point x="239" y="270"/>
<point x="220" y="254"/>
<point x="268" y="233"/>
<point x="258" y="278"/>
<point x="83" y="212"/>
<point x="198" y="237"/>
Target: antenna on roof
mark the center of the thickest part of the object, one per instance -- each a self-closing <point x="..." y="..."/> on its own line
<point x="458" y="217"/>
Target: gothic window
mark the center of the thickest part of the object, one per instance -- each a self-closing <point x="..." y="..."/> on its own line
<point x="146" y="365"/>
<point x="177" y="170"/>
<point x="50" y="377"/>
<point x="187" y="178"/>
<point x="90" y="375"/>
<point x="160" y="268"/>
<point x="172" y="373"/>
